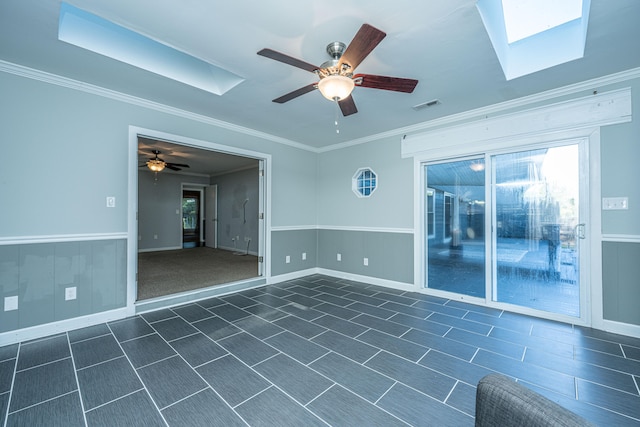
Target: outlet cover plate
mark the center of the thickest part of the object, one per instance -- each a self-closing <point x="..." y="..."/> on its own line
<point x="615" y="203"/>
<point x="70" y="293"/>
<point x="11" y="303"/>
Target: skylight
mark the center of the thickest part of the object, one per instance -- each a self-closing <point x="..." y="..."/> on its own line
<point x="525" y="18"/>
<point x="104" y="37"/>
<point x="532" y="35"/>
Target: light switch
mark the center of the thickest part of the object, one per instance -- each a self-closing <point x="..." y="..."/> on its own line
<point x="111" y="202"/>
<point x="11" y="303"/>
<point x="287" y="259"/>
<point x="615" y="203"/>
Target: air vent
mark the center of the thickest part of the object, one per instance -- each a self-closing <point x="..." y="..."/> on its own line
<point x="427" y="104"/>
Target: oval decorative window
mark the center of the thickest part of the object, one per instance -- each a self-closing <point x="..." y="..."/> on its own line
<point x="364" y="182"/>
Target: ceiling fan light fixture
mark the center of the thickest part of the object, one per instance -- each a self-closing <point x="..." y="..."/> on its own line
<point x="156" y="165"/>
<point x="336" y="87"/>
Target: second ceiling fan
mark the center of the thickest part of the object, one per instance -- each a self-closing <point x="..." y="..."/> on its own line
<point x="336" y="75"/>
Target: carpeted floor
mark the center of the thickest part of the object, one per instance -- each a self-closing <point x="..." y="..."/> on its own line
<point x="169" y="272"/>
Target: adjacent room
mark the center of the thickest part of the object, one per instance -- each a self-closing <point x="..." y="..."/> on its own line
<point x="319" y="213"/>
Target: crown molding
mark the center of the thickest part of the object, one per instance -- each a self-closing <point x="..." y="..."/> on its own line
<point x="501" y="107"/>
<point x="45" y="77"/>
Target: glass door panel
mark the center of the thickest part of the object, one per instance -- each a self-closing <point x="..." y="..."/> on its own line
<point x="536" y="215"/>
<point x="455" y="218"/>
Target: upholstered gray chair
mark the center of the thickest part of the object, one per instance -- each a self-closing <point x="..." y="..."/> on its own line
<point x="503" y="402"/>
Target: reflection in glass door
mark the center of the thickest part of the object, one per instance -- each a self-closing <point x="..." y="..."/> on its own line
<point x="455" y="218"/>
<point x="536" y="219"/>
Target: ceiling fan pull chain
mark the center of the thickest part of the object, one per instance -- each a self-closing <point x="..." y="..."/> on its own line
<point x="337" y="115"/>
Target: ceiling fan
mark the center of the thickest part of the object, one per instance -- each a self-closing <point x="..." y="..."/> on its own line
<point x="337" y="80"/>
<point x="156" y="164"/>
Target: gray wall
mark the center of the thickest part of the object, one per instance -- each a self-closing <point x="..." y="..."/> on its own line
<point x="293" y="243"/>
<point x="621" y="273"/>
<point x="235" y="218"/>
<point x="159" y="208"/>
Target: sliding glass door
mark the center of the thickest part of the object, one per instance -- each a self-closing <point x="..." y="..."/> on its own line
<point x="531" y="255"/>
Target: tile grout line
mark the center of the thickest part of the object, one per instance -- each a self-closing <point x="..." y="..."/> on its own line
<point x="75" y="375"/>
<point x="13" y="381"/>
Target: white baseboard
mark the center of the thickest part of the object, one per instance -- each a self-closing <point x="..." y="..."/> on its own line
<point x="170" y="248"/>
<point x="291" y="276"/>
<point x="367" y="279"/>
<point x="621" y="328"/>
<point x="53" y="328"/>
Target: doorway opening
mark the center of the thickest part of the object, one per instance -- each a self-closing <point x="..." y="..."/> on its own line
<point x="187" y="224"/>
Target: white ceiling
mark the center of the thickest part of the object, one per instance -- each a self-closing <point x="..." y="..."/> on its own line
<point x="443" y="44"/>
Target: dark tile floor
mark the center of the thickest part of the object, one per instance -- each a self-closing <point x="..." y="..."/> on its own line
<point x="313" y="351"/>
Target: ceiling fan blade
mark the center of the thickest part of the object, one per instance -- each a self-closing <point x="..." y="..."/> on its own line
<point x="172" y="167"/>
<point x="178" y="165"/>
<point x="386" y="83"/>
<point x="296" y="93"/>
<point x="365" y="40"/>
<point x="272" y="54"/>
<point x="348" y="106"/>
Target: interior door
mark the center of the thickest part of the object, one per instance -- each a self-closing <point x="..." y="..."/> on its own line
<point x="211" y="216"/>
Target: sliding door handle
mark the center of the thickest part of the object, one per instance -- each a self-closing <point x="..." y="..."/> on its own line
<point x="580" y="228"/>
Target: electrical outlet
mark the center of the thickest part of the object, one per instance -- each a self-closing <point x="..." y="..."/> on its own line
<point x="11" y="303"/>
<point x="615" y="203"/>
<point x="70" y="293"/>
<point x="287" y="259"/>
<point x="304" y="256"/>
<point x="111" y="202"/>
<point x="155" y="237"/>
<point x="366" y="261"/>
<point x="247" y="239"/>
<point x="339" y="257"/>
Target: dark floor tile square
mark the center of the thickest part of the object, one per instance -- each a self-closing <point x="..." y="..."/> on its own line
<point x="333" y="299"/>
<point x="258" y="327"/>
<point x="533" y="374"/>
<point x="170" y="380"/>
<point x="136" y="409"/>
<point x="202" y="409"/>
<point x="4" y="404"/>
<point x="8" y="352"/>
<point x="107" y="381"/>
<point x="605" y="360"/>
<point x="229" y="312"/>
<point x="353" y="376"/>
<point x="43" y="351"/>
<point x="232" y="379"/>
<point x="344" y="327"/>
<point x="442" y="344"/>
<point x="88" y="332"/>
<point x="265" y="312"/>
<point x="303" y="290"/>
<point x="400" y="299"/>
<point x="247" y="348"/>
<point x="365" y="299"/>
<point x="461" y="324"/>
<point x="613" y="400"/>
<point x="174" y="328"/>
<point x="300" y="327"/>
<point x="420" y="324"/>
<point x="130" y="328"/>
<point x="521" y="327"/>
<point x="381" y="325"/>
<point x="529" y="341"/>
<point x="441" y="309"/>
<point x="302" y="300"/>
<point x="515" y="351"/>
<point x="277" y="291"/>
<point x="381" y="313"/>
<point x="297" y="347"/>
<point x="274" y="408"/>
<point x="340" y="407"/>
<point x="631" y="352"/>
<point x="63" y="411"/>
<point x="596" y="374"/>
<point x="295" y="379"/>
<point x="346" y="346"/>
<point x="148" y="349"/>
<point x="42" y="383"/>
<point x="95" y="350"/>
<point x="192" y="312"/>
<point x="397" y="346"/>
<point x="210" y="303"/>
<point x="418" y="409"/>
<point x="411" y="311"/>
<point x="301" y="311"/>
<point x="454" y="367"/>
<point x="422" y="379"/>
<point x="198" y="349"/>
<point x="337" y="311"/>
<point x="463" y="398"/>
<point x="6" y="374"/>
<point x="216" y="328"/>
<point x="239" y="301"/>
<point x="272" y="300"/>
<point x="154" y="316"/>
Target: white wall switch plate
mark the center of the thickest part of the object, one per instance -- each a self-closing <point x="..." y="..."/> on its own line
<point x="111" y="202"/>
<point x="339" y="257"/>
<point x="366" y="261"/>
<point x="615" y="203"/>
<point x="304" y="256"/>
<point x="287" y="259"/>
<point x="11" y="303"/>
<point x="70" y="293"/>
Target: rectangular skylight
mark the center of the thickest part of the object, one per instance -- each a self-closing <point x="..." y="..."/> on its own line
<point x="524" y="18"/>
<point x="533" y="35"/>
<point x="104" y="37"/>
